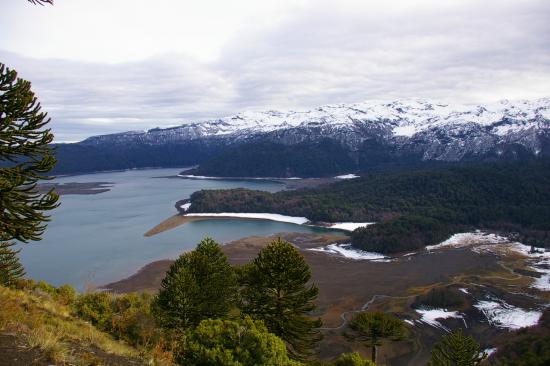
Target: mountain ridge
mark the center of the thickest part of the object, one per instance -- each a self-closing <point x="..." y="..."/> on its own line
<point x="371" y="133"/>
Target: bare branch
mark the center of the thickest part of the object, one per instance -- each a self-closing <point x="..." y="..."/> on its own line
<point x="41" y="2"/>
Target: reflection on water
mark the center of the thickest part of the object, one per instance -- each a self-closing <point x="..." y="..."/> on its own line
<point x="99" y="238"/>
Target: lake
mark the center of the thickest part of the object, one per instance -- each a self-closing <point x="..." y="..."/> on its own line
<point x="96" y="239"/>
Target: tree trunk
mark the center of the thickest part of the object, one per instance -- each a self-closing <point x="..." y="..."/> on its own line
<point x="373" y="354"/>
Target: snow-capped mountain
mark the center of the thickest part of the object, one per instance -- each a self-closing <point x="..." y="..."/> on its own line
<point x="425" y="129"/>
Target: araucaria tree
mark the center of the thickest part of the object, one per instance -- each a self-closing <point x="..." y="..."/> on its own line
<point x="373" y="328"/>
<point x="25" y="159"/>
<point x="10" y="267"/>
<point x="242" y="342"/>
<point x="276" y="290"/>
<point x="457" y="349"/>
<point x="201" y="284"/>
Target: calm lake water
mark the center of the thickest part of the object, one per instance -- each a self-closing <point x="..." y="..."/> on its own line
<point x="96" y="239"/>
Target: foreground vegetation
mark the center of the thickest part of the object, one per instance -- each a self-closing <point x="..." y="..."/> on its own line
<point x="50" y="321"/>
<point x="413" y="209"/>
<point x="186" y="323"/>
<point x="264" y="318"/>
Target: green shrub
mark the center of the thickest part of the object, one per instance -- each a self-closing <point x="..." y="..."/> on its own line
<point x="132" y="319"/>
<point x="65" y="295"/>
<point x="95" y="308"/>
<point x="224" y="342"/>
<point x="351" y="359"/>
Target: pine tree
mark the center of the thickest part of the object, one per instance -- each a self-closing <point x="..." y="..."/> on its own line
<point x="373" y="327"/>
<point x="456" y="349"/>
<point x="10" y="268"/>
<point x="200" y="284"/>
<point x="25" y="159"/>
<point x="276" y="291"/>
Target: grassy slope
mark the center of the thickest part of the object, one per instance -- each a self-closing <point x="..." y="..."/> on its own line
<point x="46" y="329"/>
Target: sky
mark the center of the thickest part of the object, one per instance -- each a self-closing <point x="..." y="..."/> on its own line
<point x="106" y="66"/>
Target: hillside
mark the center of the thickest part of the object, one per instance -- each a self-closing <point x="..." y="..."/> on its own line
<point x="415" y="208"/>
<point x="38" y="326"/>
<point x="326" y="141"/>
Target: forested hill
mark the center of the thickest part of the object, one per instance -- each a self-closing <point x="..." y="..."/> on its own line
<point x="413" y="208"/>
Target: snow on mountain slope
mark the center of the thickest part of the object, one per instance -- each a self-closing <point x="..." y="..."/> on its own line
<point x="435" y="130"/>
<point x="406" y="118"/>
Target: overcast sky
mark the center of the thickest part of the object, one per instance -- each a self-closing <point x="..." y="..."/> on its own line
<point x="102" y="66"/>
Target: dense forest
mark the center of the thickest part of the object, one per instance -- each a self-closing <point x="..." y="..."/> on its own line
<point x="84" y="158"/>
<point x="270" y="159"/>
<point x="414" y="208"/>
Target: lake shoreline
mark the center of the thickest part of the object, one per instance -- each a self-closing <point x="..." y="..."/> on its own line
<point x="182" y="218"/>
<point x="241" y="251"/>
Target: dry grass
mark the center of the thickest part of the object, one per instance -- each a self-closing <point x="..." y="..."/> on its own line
<point x="48" y="326"/>
<point x="50" y="343"/>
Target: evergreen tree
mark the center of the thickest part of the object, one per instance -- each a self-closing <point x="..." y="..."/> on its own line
<point x="25" y="159"/>
<point x="276" y="291"/>
<point x="244" y="342"/>
<point x="457" y="349"/>
<point x="200" y="284"/>
<point x="373" y="327"/>
<point x="10" y="268"/>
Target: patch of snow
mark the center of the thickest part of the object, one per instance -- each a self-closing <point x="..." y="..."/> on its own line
<point x="408" y="321"/>
<point x="185" y="206"/>
<point x="464" y="290"/>
<point x="262" y="216"/>
<point x="542" y="283"/>
<point x="489" y="351"/>
<point x="65" y="141"/>
<point x="466" y="239"/>
<point x="503" y="315"/>
<point x="430" y="317"/>
<point x="191" y="176"/>
<point x="349" y="226"/>
<point x="347" y="176"/>
<point x="384" y="260"/>
<point x="526" y="250"/>
<point x="347" y="251"/>
<point x="408" y="130"/>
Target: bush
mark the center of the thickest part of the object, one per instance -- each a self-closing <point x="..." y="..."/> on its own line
<point x="65" y="294"/>
<point x="224" y="342"/>
<point x="95" y="308"/>
<point x="127" y="317"/>
<point x="351" y="359"/>
<point x="132" y="320"/>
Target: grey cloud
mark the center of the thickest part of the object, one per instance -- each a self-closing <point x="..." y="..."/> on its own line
<point x="466" y="51"/>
